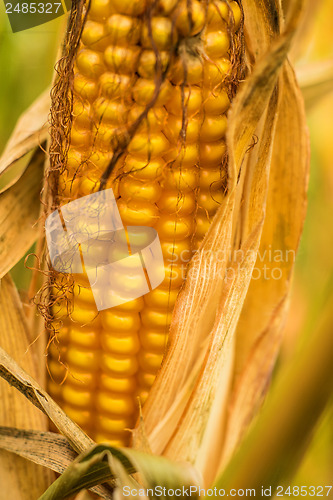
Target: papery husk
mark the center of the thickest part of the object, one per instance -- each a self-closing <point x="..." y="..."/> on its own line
<point x="193" y="318"/>
<point x="19" y="212"/>
<point x="19" y="478"/>
<point x="285" y="213"/>
<point x="186" y="384"/>
<point x="48" y="449"/>
<point x="22" y="381"/>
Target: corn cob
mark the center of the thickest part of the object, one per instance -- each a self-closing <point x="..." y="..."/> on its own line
<point x="151" y="80"/>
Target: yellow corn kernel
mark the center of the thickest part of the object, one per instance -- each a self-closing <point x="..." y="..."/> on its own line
<point x="90" y="63"/>
<point x="115" y="383"/>
<point x="94" y="36"/>
<point x="174" y="202"/>
<point x="129" y="7"/>
<point x="76" y="397"/>
<point x="192" y="26"/>
<point x="163" y="33"/>
<point x="100" y="9"/>
<point x="122" y="30"/>
<point x="113" y="425"/>
<point x="139" y="190"/>
<point x="147" y="63"/>
<point x="114" y="404"/>
<point x="143" y="92"/>
<point x="81" y="416"/>
<point x="190" y="97"/>
<point x="150" y="362"/>
<point x="216" y="43"/>
<point x="121" y="59"/>
<point x="152" y="340"/>
<point x="120" y="343"/>
<point x="123" y="366"/>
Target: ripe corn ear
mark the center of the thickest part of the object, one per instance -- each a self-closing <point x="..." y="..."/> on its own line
<point x="151" y="88"/>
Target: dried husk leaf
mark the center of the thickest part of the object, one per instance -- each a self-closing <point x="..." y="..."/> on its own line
<point x="237" y="281"/>
<point x="19" y="478"/>
<point x="19" y="212"/>
<point x="262" y="24"/>
<point x="272" y="451"/>
<point x="43" y="448"/>
<point x="31" y="131"/>
<point x="285" y="214"/>
<point x="201" y="431"/>
<point x="193" y="318"/>
<point x="197" y="439"/>
<point x="20" y="379"/>
<point x="248" y="394"/>
<point x="253" y="96"/>
<point x="196" y="311"/>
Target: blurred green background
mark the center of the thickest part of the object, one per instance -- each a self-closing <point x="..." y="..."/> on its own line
<point x="27" y="59"/>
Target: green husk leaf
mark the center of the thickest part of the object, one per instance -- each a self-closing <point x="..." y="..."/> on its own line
<point x="103" y="462"/>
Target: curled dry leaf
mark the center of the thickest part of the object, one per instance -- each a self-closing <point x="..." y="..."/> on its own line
<point x="43" y="448"/>
<point x="19" y="379"/>
<point x="205" y="326"/>
<point x="19" y="212"/>
<point x="47" y="449"/>
<point x="30" y="132"/>
<point x="285" y="214"/>
<point x="19" y="478"/>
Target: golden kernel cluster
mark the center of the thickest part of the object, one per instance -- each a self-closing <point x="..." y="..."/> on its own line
<point x="170" y="177"/>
